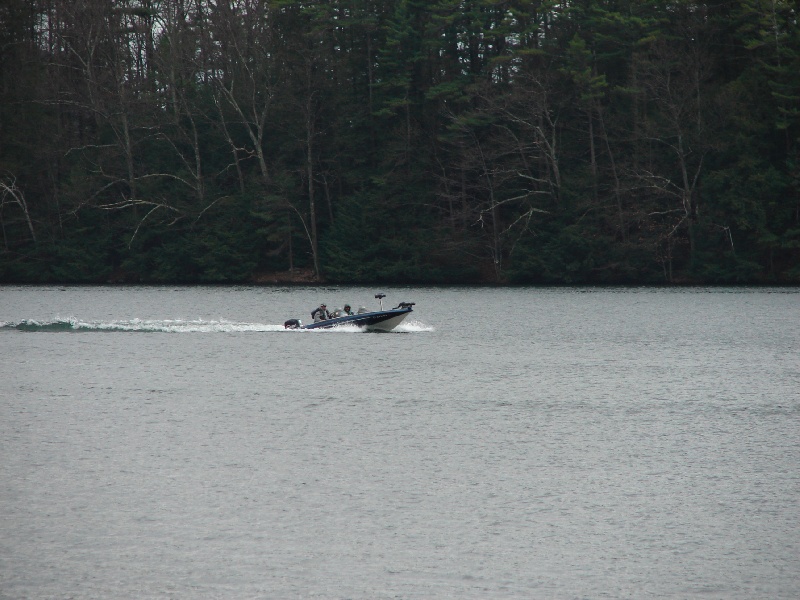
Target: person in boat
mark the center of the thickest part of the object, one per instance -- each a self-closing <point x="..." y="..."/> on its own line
<point x="341" y="312"/>
<point x="320" y="313"/>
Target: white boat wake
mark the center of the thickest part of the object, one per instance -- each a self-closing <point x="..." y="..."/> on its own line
<point x="74" y="325"/>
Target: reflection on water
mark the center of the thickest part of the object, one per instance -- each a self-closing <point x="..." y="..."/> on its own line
<point x="549" y="443"/>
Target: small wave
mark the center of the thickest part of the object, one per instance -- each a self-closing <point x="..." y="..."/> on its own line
<point x="31" y="325"/>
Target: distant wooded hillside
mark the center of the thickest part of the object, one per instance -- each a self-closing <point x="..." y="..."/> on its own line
<point x="520" y="141"/>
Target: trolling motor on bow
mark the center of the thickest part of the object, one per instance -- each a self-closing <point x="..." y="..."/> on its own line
<point x="404" y="305"/>
<point x="380" y="298"/>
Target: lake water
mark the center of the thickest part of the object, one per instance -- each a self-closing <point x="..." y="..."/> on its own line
<point x="160" y="442"/>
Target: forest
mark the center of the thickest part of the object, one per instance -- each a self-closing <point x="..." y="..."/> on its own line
<point x="400" y="141"/>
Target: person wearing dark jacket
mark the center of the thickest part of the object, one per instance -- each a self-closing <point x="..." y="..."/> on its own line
<point x="320" y="313"/>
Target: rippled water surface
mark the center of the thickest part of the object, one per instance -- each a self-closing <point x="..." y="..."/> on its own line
<point x="504" y="443"/>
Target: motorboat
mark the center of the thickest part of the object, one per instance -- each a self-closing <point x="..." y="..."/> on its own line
<point x="379" y="320"/>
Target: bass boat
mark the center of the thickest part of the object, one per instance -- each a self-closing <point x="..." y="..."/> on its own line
<point x="379" y="320"/>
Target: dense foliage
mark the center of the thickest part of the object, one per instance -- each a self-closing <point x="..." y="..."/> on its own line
<point x="518" y="141"/>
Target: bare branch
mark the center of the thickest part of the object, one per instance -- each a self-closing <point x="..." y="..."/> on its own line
<point x="8" y="187"/>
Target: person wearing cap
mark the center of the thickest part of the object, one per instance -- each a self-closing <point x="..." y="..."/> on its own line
<point x="321" y="313"/>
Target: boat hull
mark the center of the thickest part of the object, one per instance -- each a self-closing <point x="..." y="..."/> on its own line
<point x="382" y="320"/>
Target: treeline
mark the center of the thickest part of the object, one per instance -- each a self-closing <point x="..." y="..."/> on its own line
<point x="518" y="141"/>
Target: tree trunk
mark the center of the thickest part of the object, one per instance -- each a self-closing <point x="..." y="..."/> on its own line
<point x="310" y="175"/>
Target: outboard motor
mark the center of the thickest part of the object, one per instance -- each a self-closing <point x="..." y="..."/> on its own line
<point x="293" y="324"/>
